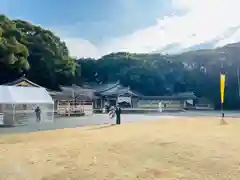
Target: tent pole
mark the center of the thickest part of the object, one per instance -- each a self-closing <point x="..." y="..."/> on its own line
<point x="53" y="110"/>
<point x="14" y="113"/>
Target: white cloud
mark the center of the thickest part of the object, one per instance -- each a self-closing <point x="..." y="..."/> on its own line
<point x="203" y="21"/>
<point x="232" y="39"/>
<point x="81" y="48"/>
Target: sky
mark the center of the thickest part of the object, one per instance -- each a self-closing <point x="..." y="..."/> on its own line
<point x="93" y="28"/>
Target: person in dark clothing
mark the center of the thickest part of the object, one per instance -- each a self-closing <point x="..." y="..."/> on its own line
<point x="38" y="114"/>
<point x="118" y="112"/>
<point x="106" y="108"/>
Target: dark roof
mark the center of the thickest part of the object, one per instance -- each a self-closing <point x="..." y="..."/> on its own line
<point x="20" y="80"/>
<point x="118" y="90"/>
<point x="180" y="96"/>
<point x="110" y="89"/>
<point x="62" y="96"/>
<point x="98" y="88"/>
<point x="77" y="91"/>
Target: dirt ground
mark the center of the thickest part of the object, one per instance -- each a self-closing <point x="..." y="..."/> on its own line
<point x="170" y="149"/>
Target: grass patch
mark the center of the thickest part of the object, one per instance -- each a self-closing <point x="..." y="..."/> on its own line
<point x="171" y="149"/>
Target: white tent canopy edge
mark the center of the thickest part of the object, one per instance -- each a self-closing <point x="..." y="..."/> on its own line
<point x="24" y="95"/>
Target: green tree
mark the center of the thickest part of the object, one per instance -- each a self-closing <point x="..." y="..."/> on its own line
<point x="34" y="51"/>
<point x="13" y="54"/>
<point x="49" y="57"/>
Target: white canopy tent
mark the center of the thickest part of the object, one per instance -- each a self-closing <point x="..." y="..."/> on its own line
<point x="17" y="104"/>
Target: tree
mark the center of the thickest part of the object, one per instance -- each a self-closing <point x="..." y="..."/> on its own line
<point x="13" y="54"/>
<point x="36" y="52"/>
<point x="49" y="56"/>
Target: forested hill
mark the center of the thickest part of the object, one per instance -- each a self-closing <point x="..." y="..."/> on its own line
<point x="156" y="74"/>
<point x="44" y="59"/>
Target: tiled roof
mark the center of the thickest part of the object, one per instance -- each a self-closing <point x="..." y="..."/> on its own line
<point x="111" y="89"/>
<point x="98" y="88"/>
<point x="77" y="91"/>
<point x="21" y="80"/>
<point x="118" y="90"/>
<point x="180" y="96"/>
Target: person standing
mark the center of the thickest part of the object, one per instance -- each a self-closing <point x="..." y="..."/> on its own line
<point x="38" y="114"/>
<point x="118" y="112"/>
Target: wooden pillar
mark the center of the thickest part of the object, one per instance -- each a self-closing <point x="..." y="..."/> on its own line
<point x="93" y="103"/>
<point x="58" y="102"/>
<point x="69" y="108"/>
<point x="102" y="102"/>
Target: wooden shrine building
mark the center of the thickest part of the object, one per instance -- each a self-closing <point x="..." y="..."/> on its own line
<point x="94" y="96"/>
<point x="115" y="93"/>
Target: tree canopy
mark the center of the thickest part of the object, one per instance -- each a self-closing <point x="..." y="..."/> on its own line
<point x="34" y="51"/>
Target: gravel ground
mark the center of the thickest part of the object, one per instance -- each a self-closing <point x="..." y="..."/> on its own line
<point x="99" y="119"/>
<point x="183" y="148"/>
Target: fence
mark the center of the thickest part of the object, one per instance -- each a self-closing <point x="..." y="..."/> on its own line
<point x="1" y="119"/>
<point x="74" y="110"/>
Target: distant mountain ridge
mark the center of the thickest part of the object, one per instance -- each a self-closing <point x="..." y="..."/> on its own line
<point x="231" y="35"/>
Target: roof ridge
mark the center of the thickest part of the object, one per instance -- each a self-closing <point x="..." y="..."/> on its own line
<point x="115" y="85"/>
<point x="23" y="78"/>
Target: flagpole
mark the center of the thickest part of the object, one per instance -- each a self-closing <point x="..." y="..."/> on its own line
<point x="222" y="84"/>
<point x="222" y="110"/>
<point x="222" y="87"/>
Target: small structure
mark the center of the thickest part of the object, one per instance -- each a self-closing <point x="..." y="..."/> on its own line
<point x="18" y="104"/>
<point x="173" y="102"/>
<point x="204" y="104"/>
<point x="75" y="99"/>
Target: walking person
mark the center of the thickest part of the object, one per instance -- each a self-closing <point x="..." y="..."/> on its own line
<point x="111" y="112"/>
<point x="118" y="112"/>
<point x="38" y="114"/>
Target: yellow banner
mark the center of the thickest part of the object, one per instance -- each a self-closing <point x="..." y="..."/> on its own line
<point x="222" y="86"/>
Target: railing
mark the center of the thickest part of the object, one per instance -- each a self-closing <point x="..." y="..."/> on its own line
<point x="1" y="119"/>
<point x="74" y="110"/>
<point x="204" y="107"/>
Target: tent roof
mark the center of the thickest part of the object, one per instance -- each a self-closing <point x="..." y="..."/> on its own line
<point x="24" y="95"/>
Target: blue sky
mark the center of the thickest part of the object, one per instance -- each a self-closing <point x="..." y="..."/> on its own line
<point x="94" y="20"/>
<point x="92" y="28"/>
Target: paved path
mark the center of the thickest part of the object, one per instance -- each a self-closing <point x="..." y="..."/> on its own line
<point x="72" y="122"/>
<point x="97" y="119"/>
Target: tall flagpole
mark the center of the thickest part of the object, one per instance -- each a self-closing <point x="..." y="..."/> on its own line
<point x="222" y="86"/>
<point x="222" y="101"/>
